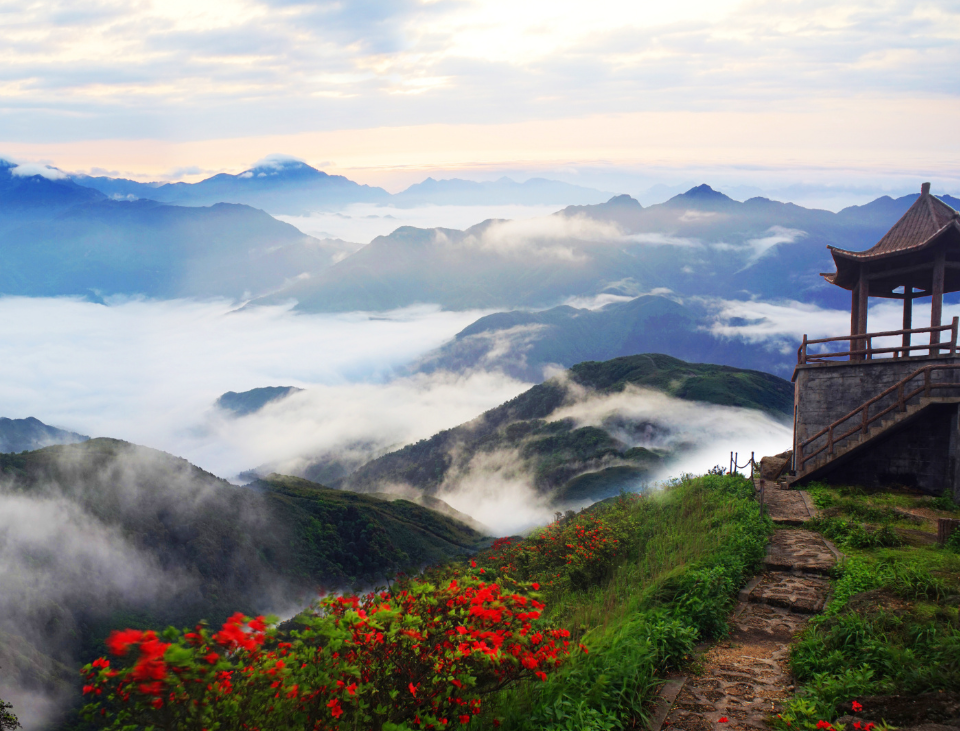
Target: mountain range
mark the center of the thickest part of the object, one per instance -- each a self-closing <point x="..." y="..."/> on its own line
<point x="26" y="435"/>
<point x="290" y="187"/>
<point x="60" y="238"/>
<point x="700" y="243"/>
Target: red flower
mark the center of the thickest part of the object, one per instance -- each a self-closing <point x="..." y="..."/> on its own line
<point x="352" y="689"/>
<point x="335" y="709"/>
<point x="413" y="690"/>
<point x="119" y="640"/>
<point x="856" y="706"/>
<point x="464" y="719"/>
<point x="722" y="719"/>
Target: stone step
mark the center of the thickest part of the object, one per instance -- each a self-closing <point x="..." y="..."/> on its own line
<point x="801" y="551"/>
<point x="801" y="594"/>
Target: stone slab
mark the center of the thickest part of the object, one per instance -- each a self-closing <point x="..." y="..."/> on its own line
<point x="805" y="594"/>
<point x="800" y="550"/>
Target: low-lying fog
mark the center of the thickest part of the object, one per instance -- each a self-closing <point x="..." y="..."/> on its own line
<point x="150" y="371"/>
<point x="363" y="222"/>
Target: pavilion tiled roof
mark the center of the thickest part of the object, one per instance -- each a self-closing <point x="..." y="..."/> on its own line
<point x="922" y="222"/>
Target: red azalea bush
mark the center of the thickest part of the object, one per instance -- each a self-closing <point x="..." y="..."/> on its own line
<point x="567" y="554"/>
<point x="421" y="656"/>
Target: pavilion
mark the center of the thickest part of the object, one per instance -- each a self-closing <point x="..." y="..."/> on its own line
<point x="918" y="257"/>
<point x="874" y="414"/>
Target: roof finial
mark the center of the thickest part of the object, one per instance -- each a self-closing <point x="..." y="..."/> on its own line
<point x="925" y="189"/>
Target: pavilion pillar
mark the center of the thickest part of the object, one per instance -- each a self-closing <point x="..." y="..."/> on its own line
<point x="936" y="306"/>
<point x="854" y="318"/>
<point x="907" y="318"/>
<point x="863" y="293"/>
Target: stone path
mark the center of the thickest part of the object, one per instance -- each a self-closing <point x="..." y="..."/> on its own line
<point x="746" y="677"/>
<point x="786" y="507"/>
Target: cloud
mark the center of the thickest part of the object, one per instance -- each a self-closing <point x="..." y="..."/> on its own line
<point x="561" y="237"/>
<point x="277" y="162"/>
<point x="775" y="235"/>
<point x="363" y="222"/>
<point x="783" y="324"/>
<point x="351" y="423"/>
<point x="29" y="169"/>
<point x="702" y="434"/>
<point x="148" y="372"/>
<point x="239" y="68"/>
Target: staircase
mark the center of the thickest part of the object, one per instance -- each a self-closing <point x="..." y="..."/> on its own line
<point x="859" y="431"/>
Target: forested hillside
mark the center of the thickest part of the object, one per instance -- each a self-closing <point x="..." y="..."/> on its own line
<point x="558" y="452"/>
<point x="105" y="534"/>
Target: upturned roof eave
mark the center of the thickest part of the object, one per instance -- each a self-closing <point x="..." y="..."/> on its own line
<point x="850" y="258"/>
<point x="867" y="256"/>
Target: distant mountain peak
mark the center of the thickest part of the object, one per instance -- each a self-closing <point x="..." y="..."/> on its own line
<point x="282" y="167"/>
<point x="705" y="192"/>
<point x="624" y="201"/>
<point x="701" y="196"/>
<point x="249" y="402"/>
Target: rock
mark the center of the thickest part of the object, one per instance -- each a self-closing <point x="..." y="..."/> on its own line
<point x="772" y="467"/>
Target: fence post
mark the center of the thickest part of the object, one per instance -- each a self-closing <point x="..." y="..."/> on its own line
<point x="953" y="335"/>
<point x="752" y="464"/>
<point x="803" y="351"/>
<point x="730" y="471"/>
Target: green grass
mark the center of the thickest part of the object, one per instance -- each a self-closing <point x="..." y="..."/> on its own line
<point x="892" y="626"/>
<point x="687" y="550"/>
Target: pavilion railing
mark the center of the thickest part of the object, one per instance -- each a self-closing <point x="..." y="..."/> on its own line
<point x="921" y="383"/>
<point x="861" y="345"/>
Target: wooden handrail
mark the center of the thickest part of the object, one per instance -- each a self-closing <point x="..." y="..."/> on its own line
<point x="862" y="344"/>
<point x="863" y="410"/>
<point x="938" y="328"/>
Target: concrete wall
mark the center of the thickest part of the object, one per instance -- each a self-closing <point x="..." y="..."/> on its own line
<point x="919" y="455"/>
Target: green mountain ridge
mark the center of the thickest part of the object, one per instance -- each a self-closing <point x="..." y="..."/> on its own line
<point x="560" y="454"/>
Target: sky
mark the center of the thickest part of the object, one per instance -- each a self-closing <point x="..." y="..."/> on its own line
<point x="766" y="92"/>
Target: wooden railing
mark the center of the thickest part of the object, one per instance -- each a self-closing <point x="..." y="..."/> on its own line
<point x="861" y="415"/>
<point x="861" y="345"/>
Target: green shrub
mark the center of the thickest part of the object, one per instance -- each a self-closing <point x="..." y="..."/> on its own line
<point x="846" y="533"/>
<point x="945" y="502"/>
<point x="953" y="541"/>
<point x="8" y="721"/>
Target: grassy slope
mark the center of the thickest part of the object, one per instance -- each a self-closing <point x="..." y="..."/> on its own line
<point x="684" y="552"/>
<point x="557" y="452"/>
<point x="892" y="628"/>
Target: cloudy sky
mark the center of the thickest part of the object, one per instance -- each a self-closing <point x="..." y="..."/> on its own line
<point x="386" y="90"/>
